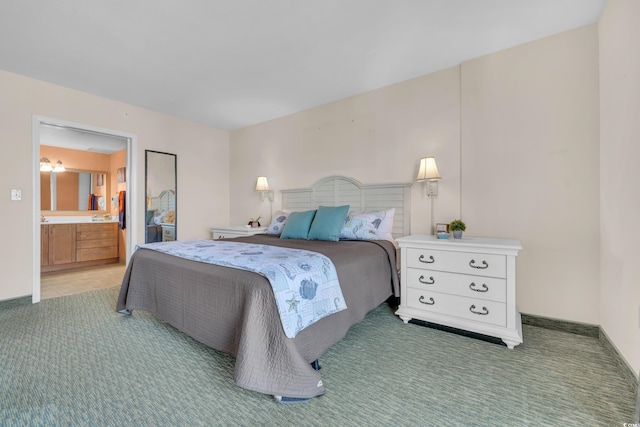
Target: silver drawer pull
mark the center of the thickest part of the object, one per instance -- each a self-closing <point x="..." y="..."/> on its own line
<point x="431" y="282"/>
<point x="484" y="311"/>
<point x="482" y="267"/>
<point x="472" y="286"/>
<point x="429" y="261"/>
<point x="422" y="300"/>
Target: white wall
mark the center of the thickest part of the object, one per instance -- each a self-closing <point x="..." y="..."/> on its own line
<point x="528" y="145"/>
<point x="203" y="165"/>
<point x="620" y="176"/>
<point x="530" y="166"/>
<point x="375" y="137"/>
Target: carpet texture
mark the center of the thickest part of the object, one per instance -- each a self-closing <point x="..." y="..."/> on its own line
<point x="74" y="361"/>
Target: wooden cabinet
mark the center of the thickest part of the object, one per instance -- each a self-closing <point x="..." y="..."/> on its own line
<point x="466" y="284"/>
<point x="66" y="246"/>
<point x="97" y="242"/>
<point x="58" y="246"/>
<point x="44" y="245"/>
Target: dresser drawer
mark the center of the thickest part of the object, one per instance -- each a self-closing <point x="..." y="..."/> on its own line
<point x="97" y="235"/>
<point x="93" y="254"/>
<point x="98" y="243"/>
<point x="477" y="310"/>
<point x="93" y="231"/>
<point x="168" y="233"/>
<point x="458" y="262"/>
<point x="486" y="288"/>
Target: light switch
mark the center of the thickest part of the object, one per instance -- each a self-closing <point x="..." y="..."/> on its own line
<point x="16" y="194"/>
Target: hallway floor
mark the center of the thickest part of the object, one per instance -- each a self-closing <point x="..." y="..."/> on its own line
<point x="69" y="282"/>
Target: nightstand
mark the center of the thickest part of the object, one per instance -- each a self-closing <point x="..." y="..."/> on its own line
<point x="236" y="231"/>
<point x="467" y="283"/>
<point x="168" y="232"/>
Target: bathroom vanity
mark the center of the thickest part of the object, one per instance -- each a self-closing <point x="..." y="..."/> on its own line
<point x="67" y="243"/>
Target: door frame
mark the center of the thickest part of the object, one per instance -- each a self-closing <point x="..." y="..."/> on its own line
<point x="132" y="144"/>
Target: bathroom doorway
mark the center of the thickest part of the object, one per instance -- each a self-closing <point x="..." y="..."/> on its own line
<point x="77" y="140"/>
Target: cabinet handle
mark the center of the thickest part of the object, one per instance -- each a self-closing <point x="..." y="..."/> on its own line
<point x="422" y="300"/>
<point x="472" y="286"/>
<point x="484" y="311"/>
<point x="482" y="267"/>
<point x="429" y="261"/>
<point x="421" y="280"/>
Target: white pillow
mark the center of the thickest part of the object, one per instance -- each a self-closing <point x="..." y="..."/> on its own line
<point x="369" y="225"/>
<point x="278" y="222"/>
<point x="159" y="217"/>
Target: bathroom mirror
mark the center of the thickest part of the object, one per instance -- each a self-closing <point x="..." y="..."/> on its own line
<point x="160" y="196"/>
<point x="70" y="191"/>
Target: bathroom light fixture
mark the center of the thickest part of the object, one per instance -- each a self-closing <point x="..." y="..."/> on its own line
<point x="45" y="165"/>
<point x="263" y="186"/>
<point x="428" y="173"/>
<point x="59" y="167"/>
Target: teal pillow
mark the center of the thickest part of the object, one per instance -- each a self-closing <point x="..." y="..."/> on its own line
<point x="328" y="223"/>
<point x="297" y="225"/>
<point x="149" y="216"/>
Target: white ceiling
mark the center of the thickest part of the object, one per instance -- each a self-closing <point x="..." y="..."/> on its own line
<point x="235" y="63"/>
<point x="79" y="139"/>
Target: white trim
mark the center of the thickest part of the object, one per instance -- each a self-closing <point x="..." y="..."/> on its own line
<point x="132" y="144"/>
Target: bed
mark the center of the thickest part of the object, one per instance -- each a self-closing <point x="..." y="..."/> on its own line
<point x="234" y="311"/>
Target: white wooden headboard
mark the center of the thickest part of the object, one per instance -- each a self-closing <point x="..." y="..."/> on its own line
<point x="166" y="201"/>
<point x="340" y="190"/>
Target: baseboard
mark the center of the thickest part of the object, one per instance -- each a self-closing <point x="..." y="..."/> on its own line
<point x="585" y="329"/>
<point x="14" y="302"/>
<point x="593" y="331"/>
<point x="625" y="368"/>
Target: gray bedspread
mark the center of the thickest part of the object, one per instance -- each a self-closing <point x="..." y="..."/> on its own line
<point x="234" y="311"/>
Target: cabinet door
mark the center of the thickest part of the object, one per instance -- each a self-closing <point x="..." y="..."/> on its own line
<point x="62" y="243"/>
<point x="44" y="245"/>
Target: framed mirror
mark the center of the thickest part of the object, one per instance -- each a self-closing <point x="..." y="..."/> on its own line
<point x="74" y="190"/>
<point x="160" y="180"/>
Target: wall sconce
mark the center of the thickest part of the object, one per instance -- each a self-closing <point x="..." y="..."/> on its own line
<point x="45" y="165"/>
<point x="428" y="173"/>
<point x="263" y="186"/>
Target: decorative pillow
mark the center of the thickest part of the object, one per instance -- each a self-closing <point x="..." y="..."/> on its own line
<point x="278" y="222"/>
<point x="297" y="225"/>
<point x="371" y="225"/>
<point x="149" y="217"/>
<point x="159" y="217"/>
<point x="328" y="222"/>
<point x="169" y="217"/>
<point x="386" y="226"/>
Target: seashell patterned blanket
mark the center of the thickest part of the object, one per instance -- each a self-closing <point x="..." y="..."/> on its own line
<point x="305" y="283"/>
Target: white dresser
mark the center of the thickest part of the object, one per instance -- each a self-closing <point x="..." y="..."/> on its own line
<point x="468" y="284"/>
<point x="235" y="231"/>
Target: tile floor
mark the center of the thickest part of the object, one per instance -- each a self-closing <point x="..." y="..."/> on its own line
<point x="69" y="282"/>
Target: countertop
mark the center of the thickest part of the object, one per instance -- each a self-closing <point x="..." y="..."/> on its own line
<point x="76" y="220"/>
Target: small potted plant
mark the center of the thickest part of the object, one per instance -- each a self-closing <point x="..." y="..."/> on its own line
<point x="457" y="227"/>
<point x="254" y="222"/>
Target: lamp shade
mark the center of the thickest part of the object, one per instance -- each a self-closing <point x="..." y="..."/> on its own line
<point x="428" y="170"/>
<point x="45" y="165"/>
<point x="59" y="167"/>
<point x="262" y="184"/>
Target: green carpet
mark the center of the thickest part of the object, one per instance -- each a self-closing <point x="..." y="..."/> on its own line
<point x="74" y="361"/>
